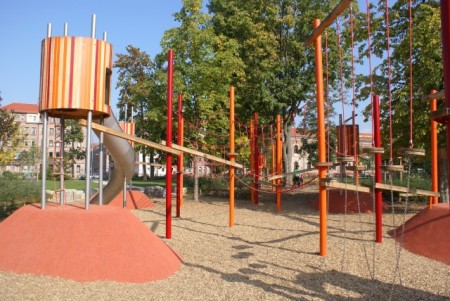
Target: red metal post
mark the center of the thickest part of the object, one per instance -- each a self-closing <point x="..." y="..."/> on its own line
<point x="169" y="144"/>
<point x="180" y="157"/>
<point x="378" y="176"/>
<point x="445" y="28"/>
<point x="252" y="163"/>
<point x="256" y="157"/>
<point x="279" y="162"/>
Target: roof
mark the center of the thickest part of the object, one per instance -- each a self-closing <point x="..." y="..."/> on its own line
<point x="22" y="107"/>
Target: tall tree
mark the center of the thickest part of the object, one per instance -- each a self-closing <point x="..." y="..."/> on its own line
<point x="279" y="69"/>
<point x="138" y="100"/>
<point x="427" y="69"/>
<point x="10" y="138"/>
<point x="73" y="136"/>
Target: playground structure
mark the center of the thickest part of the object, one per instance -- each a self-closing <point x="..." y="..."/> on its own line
<point x="116" y="141"/>
<point x="322" y="165"/>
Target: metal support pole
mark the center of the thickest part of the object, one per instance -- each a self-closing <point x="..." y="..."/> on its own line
<point x="279" y="162"/>
<point x="256" y="157"/>
<point x="61" y="154"/>
<point x="100" y="165"/>
<point x="434" y="153"/>
<point x="321" y="142"/>
<point x="44" y="161"/>
<point x="87" y="195"/>
<point x="378" y="175"/>
<point x="169" y="144"/>
<point x="232" y="156"/>
<point x="180" y="157"/>
<point x="252" y="163"/>
<point x="124" y="194"/>
<point x="445" y="28"/>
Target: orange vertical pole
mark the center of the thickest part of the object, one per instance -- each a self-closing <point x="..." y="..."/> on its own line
<point x="279" y="162"/>
<point x="321" y="142"/>
<point x="434" y="153"/>
<point x="232" y="156"/>
<point x="252" y="164"/>
<point x="273" y="157"/>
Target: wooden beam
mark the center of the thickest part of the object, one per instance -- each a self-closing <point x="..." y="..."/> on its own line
<point x="122" y="135"/>
<point x="437" y="95"/>
<point x="150" y="164"/>
<point x="203" y="155"/>
<point x="328" y="20"/>
<point x="289" y="173"/>
<point x="339" y="185"/>
<point x="411" y="191"/>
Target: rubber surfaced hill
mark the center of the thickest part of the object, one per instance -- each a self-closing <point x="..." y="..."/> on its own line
<point x="101" y="243"/>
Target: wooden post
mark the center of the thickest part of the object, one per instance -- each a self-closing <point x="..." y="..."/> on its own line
<point x="278" y="163"/>
<point x="180" y="156"/>
<point x="232" y="157"/>
<point x="321" y="142"/>
<point x="169" y="144"/>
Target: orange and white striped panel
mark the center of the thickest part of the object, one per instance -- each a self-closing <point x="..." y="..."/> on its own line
<point x="128" y="128"/>
<point x="75" y="76"/>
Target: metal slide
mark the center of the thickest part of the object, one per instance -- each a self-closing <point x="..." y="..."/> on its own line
<point x="123" y="155"/>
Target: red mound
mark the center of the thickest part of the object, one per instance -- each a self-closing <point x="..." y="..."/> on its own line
<point x="336" y="202"/>
<point x="102" y="243"/>
<point x="427" y="233"/>
<point x="135" y="200"/>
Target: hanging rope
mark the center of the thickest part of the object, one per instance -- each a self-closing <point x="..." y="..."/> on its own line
<point x="341" y="77"/>
<point x="410" y="76"/>
<point x="389" y="80"/>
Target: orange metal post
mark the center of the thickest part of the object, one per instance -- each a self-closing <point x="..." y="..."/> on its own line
<point x="232" y="156"/>
<point x="252" y="163"/>
<point x="434" y="152"/>
<point x="273" y="164"/>
<point x="321" y="142"/>
<point x="279" y="162"/>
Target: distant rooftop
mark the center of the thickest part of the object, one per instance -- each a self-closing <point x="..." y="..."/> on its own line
<point x="22" y="107"/>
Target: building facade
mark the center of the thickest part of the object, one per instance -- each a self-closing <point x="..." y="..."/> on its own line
<point x="31" y="126"/>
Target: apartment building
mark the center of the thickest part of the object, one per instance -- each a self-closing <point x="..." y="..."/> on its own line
<point x="31" y="126"/>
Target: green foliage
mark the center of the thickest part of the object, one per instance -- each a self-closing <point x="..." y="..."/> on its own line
<point x="427" y="69"/>
<point x="15" y="192"/>
<point x="10" y="138"/>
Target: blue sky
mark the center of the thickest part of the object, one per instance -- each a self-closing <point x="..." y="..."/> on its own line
<point x="23" y="25"/>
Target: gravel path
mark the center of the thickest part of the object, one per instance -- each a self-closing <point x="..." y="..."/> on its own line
<point x="265" y="256"/>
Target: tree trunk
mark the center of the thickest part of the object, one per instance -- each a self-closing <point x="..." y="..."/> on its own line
<point x="195" y="180"/>
<point x="287" y="153"/>
<point x="144" y="159"/>
<point x="443" y="175"/>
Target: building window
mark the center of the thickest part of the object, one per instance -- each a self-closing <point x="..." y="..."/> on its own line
<point x="57" y="144"/>
<point x="296" y="149"/>
<point x="26" y="142"/>
<point x="57" y="155"/>
<point x="50" y="143"/>
<point x="58" y="131"/>
<point x="33" y="143"/>
<point x="78" y="168"/>
<point x="33" y="131"/>
<point x="51" y="131"/>
<point x="22" y="118"/>
<point x="50" y="154"/>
